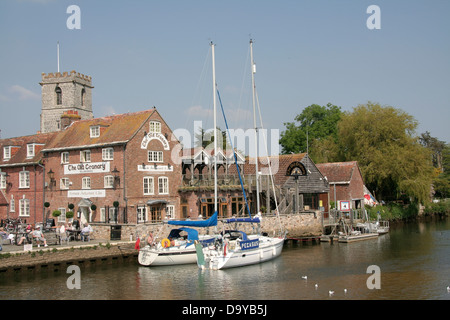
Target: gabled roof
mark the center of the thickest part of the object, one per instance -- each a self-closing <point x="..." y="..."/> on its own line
<point x="117" y="129"/>
<point x="19" y="148"/>
<point x="338" y="172"/>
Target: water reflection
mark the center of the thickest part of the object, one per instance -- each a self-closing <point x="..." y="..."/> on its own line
<point x="414" y="260"/>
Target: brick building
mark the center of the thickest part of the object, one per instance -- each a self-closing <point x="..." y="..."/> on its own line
<point x="116" y="169"/>
<point x="346" y="184"/>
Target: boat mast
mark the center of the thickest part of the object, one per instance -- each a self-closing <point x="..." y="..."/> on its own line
<point x="253" y="66"/>
<point x="215" y="125"/>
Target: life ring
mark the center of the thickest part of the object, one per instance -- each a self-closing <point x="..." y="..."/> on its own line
<point x="165" y="243"/>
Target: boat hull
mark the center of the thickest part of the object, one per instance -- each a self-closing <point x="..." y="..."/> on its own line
<point x="269" y="249"/>
<point x="166" y="257"/>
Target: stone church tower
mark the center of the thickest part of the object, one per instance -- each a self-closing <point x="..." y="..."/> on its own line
<point x="62" y="94"/>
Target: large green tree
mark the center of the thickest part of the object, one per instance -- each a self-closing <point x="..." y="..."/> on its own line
<point x="316" y="125"/>
<point x="382" y="139"/>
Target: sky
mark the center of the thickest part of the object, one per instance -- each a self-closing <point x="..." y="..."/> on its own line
<point x="149" y="53"/>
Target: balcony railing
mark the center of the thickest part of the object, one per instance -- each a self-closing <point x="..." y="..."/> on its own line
<point x="223" y="180"/>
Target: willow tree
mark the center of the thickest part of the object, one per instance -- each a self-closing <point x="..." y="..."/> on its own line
<point x="392" y="160"/>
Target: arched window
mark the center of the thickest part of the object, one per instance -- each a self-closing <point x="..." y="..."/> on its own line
<point x="58" y="96"/>
<point x="83" y="97"/>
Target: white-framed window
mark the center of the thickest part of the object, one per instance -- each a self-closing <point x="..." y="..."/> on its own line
<point x="108" y="154"/>
<point x="170" y="211"/>
<point x="86" y="183"/>
<point x="95" y="131"/>
<point x="102" y="215"/>
<point x="64" y="183"/>
<point x="163" y="185"/>
<point x="2" y="180"/>
<point x="24" y="207"/>
<point x="62" y="216"/>
<point x="12" y="204"/>
<point x="155" y="127"/>
<point x="64" y="157"/>
<point x="155" y="156"/>
<point x="113" y="214"/>
<point x="148" y="186"/>
<point x="24" y="179"/>
<point x="141" y="214"/>
<point x="109" y="181"/>
<point x="85" y="156"/>
<point x="6" y="153"/>
<point x="30" y="150"/>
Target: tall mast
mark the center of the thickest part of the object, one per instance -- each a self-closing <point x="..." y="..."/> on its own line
<point x="253" y="66"/>
<point x="215" y="126"/>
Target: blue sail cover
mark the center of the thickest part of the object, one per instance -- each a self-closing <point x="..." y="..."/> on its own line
<point x="196" y="223"/>
<point x="250" y="220"/>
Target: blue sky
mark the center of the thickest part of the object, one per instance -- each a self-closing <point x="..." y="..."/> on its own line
<point x="156" y="53"/>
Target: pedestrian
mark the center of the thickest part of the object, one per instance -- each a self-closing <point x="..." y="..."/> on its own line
<point x="39" y="236"/>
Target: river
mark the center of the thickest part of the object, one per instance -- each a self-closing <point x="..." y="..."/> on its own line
<point x="413" y="261"/>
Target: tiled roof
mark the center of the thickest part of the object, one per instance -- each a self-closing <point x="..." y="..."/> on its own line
<point x="113" y="129"/>
<point x="19" y="148"/>
<point x="338" y="171"/>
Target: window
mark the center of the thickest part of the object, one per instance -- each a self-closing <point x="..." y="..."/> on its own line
<point x="2" y="180"/>
<point x="12" y="204"/>
<point x="58" y="92"/>
<point x="112" y="214"/>
<point x="163" y="185"/>
<point x="24" y="179"/>
<point x="30" y="150"/>
<point x="148" y="186"/>
<point x="64" y="157"/>
<point x="64" y="183"/>
<point x="170" y="211"/>
<point x="85" y="156"/>
<point x="6" y="153"/>
<point x="155" y="213"/>
<point x="155" y="156"/>
<point x="24" y="207"/>
<point x="102" y="215"/>
<point x="83" y="96"/>
<point x="62" y="216"/>
<point x="109" y="182"/>
<point x="141" y="214"/>
<point x="108" y="154"/>
<point x="86" y="183"/>
<point x="95" y="131"/>
<point x="155" y="127"/>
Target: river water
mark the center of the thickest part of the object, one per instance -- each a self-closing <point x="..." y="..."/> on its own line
<point x="413" y="261"/>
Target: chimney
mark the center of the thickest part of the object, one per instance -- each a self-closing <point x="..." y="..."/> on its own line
<point x="68" y="117"/>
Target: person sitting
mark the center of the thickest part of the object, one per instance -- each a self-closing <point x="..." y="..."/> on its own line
<point x="39" y="236"/>
<point x="85" y="232"/>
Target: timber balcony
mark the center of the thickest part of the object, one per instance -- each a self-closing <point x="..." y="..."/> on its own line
<point x="224" y="182"/>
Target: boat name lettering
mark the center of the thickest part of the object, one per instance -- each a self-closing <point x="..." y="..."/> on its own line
<point x="249" y="244"/>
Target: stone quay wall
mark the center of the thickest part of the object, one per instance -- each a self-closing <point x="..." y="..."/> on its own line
<point x="301" y="225"/>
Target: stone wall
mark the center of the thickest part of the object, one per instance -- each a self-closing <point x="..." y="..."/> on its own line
<point x="297" y="225"/>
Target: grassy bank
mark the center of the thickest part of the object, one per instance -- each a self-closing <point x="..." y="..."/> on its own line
<point x="395" y="211"/>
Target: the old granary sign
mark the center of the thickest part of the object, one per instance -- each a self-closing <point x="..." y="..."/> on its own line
<point x="296" y="168"/>
<point x="155" y="135"/>
<point x="87" y="167"/>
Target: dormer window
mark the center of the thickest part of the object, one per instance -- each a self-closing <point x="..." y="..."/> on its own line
<point x="6" y="153"/>
<point x="95" y="131"/>
<point x="155" y="127"/>
<point x="30" y="150"/>
<point x="58" y="93"/>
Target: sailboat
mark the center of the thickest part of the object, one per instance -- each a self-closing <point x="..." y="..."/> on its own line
<point x="178" y="247"/>
<point x="233" y="247"/>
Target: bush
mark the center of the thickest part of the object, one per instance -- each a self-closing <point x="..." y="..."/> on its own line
<point x="69" y="214"/>
<point x="56" y="213"/>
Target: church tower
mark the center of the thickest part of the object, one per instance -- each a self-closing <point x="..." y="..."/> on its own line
<point x="62" y="94"/>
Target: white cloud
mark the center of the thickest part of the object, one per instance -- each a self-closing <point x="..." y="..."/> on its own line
<point x="199" y="111"/>
<point x="23" y="93"/>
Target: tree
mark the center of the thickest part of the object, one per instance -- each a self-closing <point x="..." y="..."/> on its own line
<point x="392" y="160"/>
<point x="318" y="125"/>
<point x="205" y="139"/>
<point x="441" y="183"/>
<point x="436" y="147"/>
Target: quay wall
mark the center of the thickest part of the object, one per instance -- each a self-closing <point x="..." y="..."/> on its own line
<point x="307" y="224"/>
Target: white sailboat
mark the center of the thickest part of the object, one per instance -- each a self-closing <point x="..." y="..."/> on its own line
<point x="178" y="247"/>
<point x="234" y="248"/>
